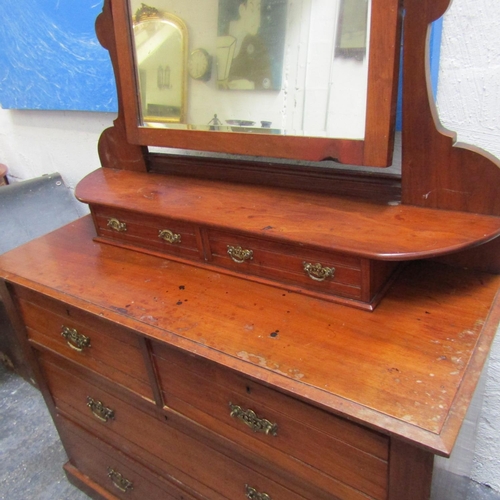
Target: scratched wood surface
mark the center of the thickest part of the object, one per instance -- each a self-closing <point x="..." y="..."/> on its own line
<point x="408" y="369"/>
<point x="366" y="229"/>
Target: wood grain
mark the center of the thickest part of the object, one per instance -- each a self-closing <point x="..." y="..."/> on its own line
<point x="408" y="369"/>
<point x="355" y="227"/>
<point x="437" y="171"/>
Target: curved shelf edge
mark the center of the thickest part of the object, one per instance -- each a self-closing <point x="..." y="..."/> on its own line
<point x="359" y="228"/>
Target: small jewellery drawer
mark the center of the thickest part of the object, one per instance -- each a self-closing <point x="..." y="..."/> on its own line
<point x="350" y="461"/>
<point x="117" y="473"/>
<point x="167" y="446"/>
<point x="293" y="265"/>
<point x="97" y="344"/>
<point x="323" y="272"/>
<point x="153" y="233"/>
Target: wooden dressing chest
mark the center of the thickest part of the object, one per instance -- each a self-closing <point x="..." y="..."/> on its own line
<point x="231" y="328"/>
<point x="184" y="383"/>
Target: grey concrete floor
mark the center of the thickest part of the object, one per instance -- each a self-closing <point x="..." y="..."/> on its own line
<point x="31" y="455"/>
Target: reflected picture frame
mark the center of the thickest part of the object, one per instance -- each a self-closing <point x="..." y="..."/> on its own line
<point x="352" y="29"/>
<point x="252" y="59"/>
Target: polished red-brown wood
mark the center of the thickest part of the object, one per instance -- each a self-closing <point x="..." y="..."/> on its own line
<point x="425" y="343"/>
<point x="114" y="150"/>
<point x="438" y="172"/>
<point x="383" y="231"/>
<point x="410" y="473"/>
<point x="344" y="452"/>
<point x="362" y="399"/>
<point x="116" y="352"/>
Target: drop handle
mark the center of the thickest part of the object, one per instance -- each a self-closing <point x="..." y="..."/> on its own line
<point x="318" y="272"/>
<point x="169" y="236"/>
<point x="75" y="340"/>
<point x="250" y="418"/>
<point x="252" y="494"/>
<point x="123" y="484"/>
<point x="238" y="254"/>
<point x="99" y="410"/>
<point x="117" y="225"/>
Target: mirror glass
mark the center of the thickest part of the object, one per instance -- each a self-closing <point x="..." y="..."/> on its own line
<point x="160" y="43"/>
<point x="286" y="67"/>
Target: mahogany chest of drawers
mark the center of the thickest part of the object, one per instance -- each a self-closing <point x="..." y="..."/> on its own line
<point x="170" y="381"/>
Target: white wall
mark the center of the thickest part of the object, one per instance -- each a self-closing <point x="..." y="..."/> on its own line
<point x="469" y="103"/>
<point x="34" y="142"/>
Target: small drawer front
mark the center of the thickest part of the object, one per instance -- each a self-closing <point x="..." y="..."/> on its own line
<point x="322" y="272"/>
<point x="112" y="470"/>
<point x="153" y="233"/>
<point x="259" y="417"/>
<point x="159" y="442"/>
<point x="98" y="345"/>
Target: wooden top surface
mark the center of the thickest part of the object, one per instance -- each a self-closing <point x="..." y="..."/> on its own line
<point x="365" y="229"/>
<point x="409" y="368"/>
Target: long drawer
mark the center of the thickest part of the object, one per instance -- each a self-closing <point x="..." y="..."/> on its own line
<point x="99" y="345"/>
<point x="112" y="470"/>
<point x="349" y="460"/>
<point x="167" y="446"/>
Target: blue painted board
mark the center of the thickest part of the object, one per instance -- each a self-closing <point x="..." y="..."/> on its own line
<point x="50" y="58"/>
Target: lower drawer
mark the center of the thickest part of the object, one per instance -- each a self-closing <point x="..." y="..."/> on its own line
<point x="111" y="469"/>
<point x="344" y="458"/>
<point x="167" y="447"/>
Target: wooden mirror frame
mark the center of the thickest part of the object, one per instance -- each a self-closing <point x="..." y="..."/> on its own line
<point x="441" y="175"/>
<point x="375" y="150"/>
<point x="350" y="213"/>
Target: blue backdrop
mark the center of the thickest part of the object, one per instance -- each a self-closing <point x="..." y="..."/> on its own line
<point x="50" y="57"/>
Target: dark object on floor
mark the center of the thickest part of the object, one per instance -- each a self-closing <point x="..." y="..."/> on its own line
<point x="29" y="209"/>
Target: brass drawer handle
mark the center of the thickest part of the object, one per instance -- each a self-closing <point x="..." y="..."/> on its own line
<point x="100" y="411"/>
<point x="116" y="225"/>
<point x="253" y="494"/>
<point x="249" y="417"/>
<point x="317" y="272"/>
<point x="75" y="340"/>
<point x="167" y="235"/>
<point x="238" y="254"/>
<point x="119" y="481"/>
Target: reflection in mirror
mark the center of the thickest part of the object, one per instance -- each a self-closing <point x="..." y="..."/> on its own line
<point x="160" y="41"/>
<point x="290" y="67"/>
